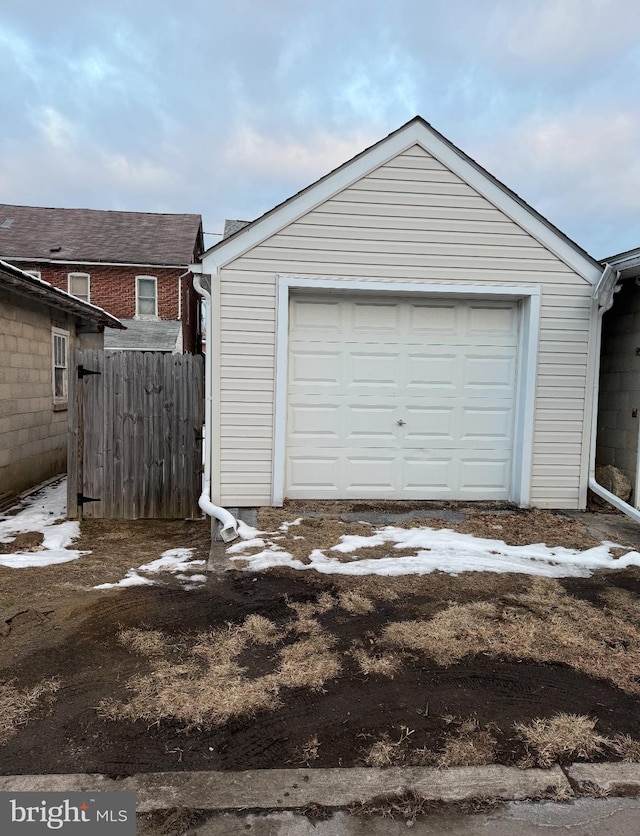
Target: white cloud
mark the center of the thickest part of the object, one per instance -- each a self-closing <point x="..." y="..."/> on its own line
<point x="575" y="162"/>
<point x="137" y="173"/>
<point x="58" y="131"/>
<point x="303" y="160"/>
<point x="572" y="31"/>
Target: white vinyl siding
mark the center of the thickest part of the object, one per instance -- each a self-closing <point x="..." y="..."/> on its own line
<point x="410" y="220"/>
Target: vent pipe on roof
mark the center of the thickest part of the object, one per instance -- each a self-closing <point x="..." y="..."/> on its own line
<point x="228" y="523"/>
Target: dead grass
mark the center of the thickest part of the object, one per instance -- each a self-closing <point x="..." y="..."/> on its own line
<point x="626" y="748"/>
<point x="208" y="687"/>
<point x="407" y="805"/>
<point x="468" y="745"/>
<point x="383" y="664"/>
<point x="143" y="642"/>
<point x="455" y="632"/>
<point x="355" y="602"/>
<point x="17" y="704"/>
<point x="384" y="752"/>
<point x="260" y="630"/>
<point x="560" y="738"/>
<point x="544" y="624"/>
<point x="308" y="663"/>
<point x="309" y="751"/>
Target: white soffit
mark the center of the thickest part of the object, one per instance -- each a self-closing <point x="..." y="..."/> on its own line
<point x="414" y="133"/>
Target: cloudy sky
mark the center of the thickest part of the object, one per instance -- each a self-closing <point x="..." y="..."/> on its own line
<point x="226" y="108"/>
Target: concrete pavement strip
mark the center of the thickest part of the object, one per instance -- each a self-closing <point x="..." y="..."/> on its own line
<point x="294" y="789"/>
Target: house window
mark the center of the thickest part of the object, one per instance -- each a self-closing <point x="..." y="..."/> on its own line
<point x="146" y="297"/>
<point x="60" y="367"/>
<point x="34" y="273"/>
<point x="79" y="285"/>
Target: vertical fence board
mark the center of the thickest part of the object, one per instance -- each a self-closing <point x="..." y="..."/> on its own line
<point x="138" y="427"/>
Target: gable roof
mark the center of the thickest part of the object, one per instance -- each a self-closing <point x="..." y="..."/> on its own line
<point x="95" y="235"/>
<point x="416" y="131"/>
<point x="24" y="284"/>
<point x="146" y="335"/>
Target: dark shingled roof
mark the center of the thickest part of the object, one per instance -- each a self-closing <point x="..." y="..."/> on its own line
<point x="146" y="335"/>
<point x="94" y="235"/>
<point x="231" y="226"/>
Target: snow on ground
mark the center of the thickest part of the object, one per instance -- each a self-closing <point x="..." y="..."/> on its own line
<point x="172" y="560"/>
<point x="432" y="550"/>
<point x="41" y="513"/>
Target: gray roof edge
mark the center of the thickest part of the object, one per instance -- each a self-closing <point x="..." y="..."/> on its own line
<point x="624" y="260"/>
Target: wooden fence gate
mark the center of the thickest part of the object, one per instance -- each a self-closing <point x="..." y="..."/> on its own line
<point x="135" y="435"/>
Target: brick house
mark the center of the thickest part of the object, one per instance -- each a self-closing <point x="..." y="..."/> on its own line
<point x="39" y="326"/>
<point x="132" y="264"/>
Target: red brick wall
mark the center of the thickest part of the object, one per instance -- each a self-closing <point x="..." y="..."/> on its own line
<point x="114" y="289"/>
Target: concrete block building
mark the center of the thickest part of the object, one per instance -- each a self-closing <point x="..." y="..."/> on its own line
<point x="39" y="327"/>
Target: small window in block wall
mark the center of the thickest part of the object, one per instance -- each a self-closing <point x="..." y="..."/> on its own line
<point x="79" y="285"/>
<point x="146" y="297"/>
<point x="34" y="273"/>
<point x="60" y="364"/>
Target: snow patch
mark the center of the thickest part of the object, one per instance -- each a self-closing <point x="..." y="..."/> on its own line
<point x="172" y="560"/>
<point x="41" y="513"/>
<point x="448" y="551"/>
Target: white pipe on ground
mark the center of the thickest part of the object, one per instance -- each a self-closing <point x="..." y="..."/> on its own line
<point x="603" y="292"/>
<point x="229" y="524"/>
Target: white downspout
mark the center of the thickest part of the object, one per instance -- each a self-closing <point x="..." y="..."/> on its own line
<point x="603" y="292"/>
<point x="228" y="523"/>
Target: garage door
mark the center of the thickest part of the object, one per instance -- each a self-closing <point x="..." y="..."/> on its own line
<point x="400" y="399"/>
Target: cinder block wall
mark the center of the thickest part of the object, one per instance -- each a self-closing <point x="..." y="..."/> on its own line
<point x="33" y="434"/>
<point x="620" y="384"/>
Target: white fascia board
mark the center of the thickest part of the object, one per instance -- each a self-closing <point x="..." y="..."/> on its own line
<point x="412" y="134"/>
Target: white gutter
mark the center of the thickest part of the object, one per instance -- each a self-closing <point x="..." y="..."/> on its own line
<point x="228" y="523"/>
<point x="603" y="291"/>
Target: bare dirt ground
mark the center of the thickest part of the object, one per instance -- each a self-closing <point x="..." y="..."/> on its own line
<point x="285" y="668"/>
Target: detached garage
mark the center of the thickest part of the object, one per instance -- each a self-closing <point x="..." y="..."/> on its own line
<point x="404" y="328"/>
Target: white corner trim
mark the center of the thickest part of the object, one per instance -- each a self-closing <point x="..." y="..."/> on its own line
<point x="527" y="362"/>
<point x="280" y="399"/>
<point x="412" y="134"/>
<point x="524" y="418"/>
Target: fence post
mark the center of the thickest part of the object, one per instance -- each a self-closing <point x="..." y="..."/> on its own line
<point x="74" y="436"/>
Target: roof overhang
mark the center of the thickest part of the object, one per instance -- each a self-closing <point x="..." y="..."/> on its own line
<point x="627" y="263"/>
<point x="30" y="286"/>
<point x="415" y="132"/>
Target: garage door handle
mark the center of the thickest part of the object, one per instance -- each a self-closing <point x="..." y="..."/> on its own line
<point x="400" y="422"/>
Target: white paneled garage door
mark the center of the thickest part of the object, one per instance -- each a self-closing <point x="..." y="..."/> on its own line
<point x="400" y="399"/>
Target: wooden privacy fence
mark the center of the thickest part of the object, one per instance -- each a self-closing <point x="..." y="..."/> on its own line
<point x="135" y="435"/>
